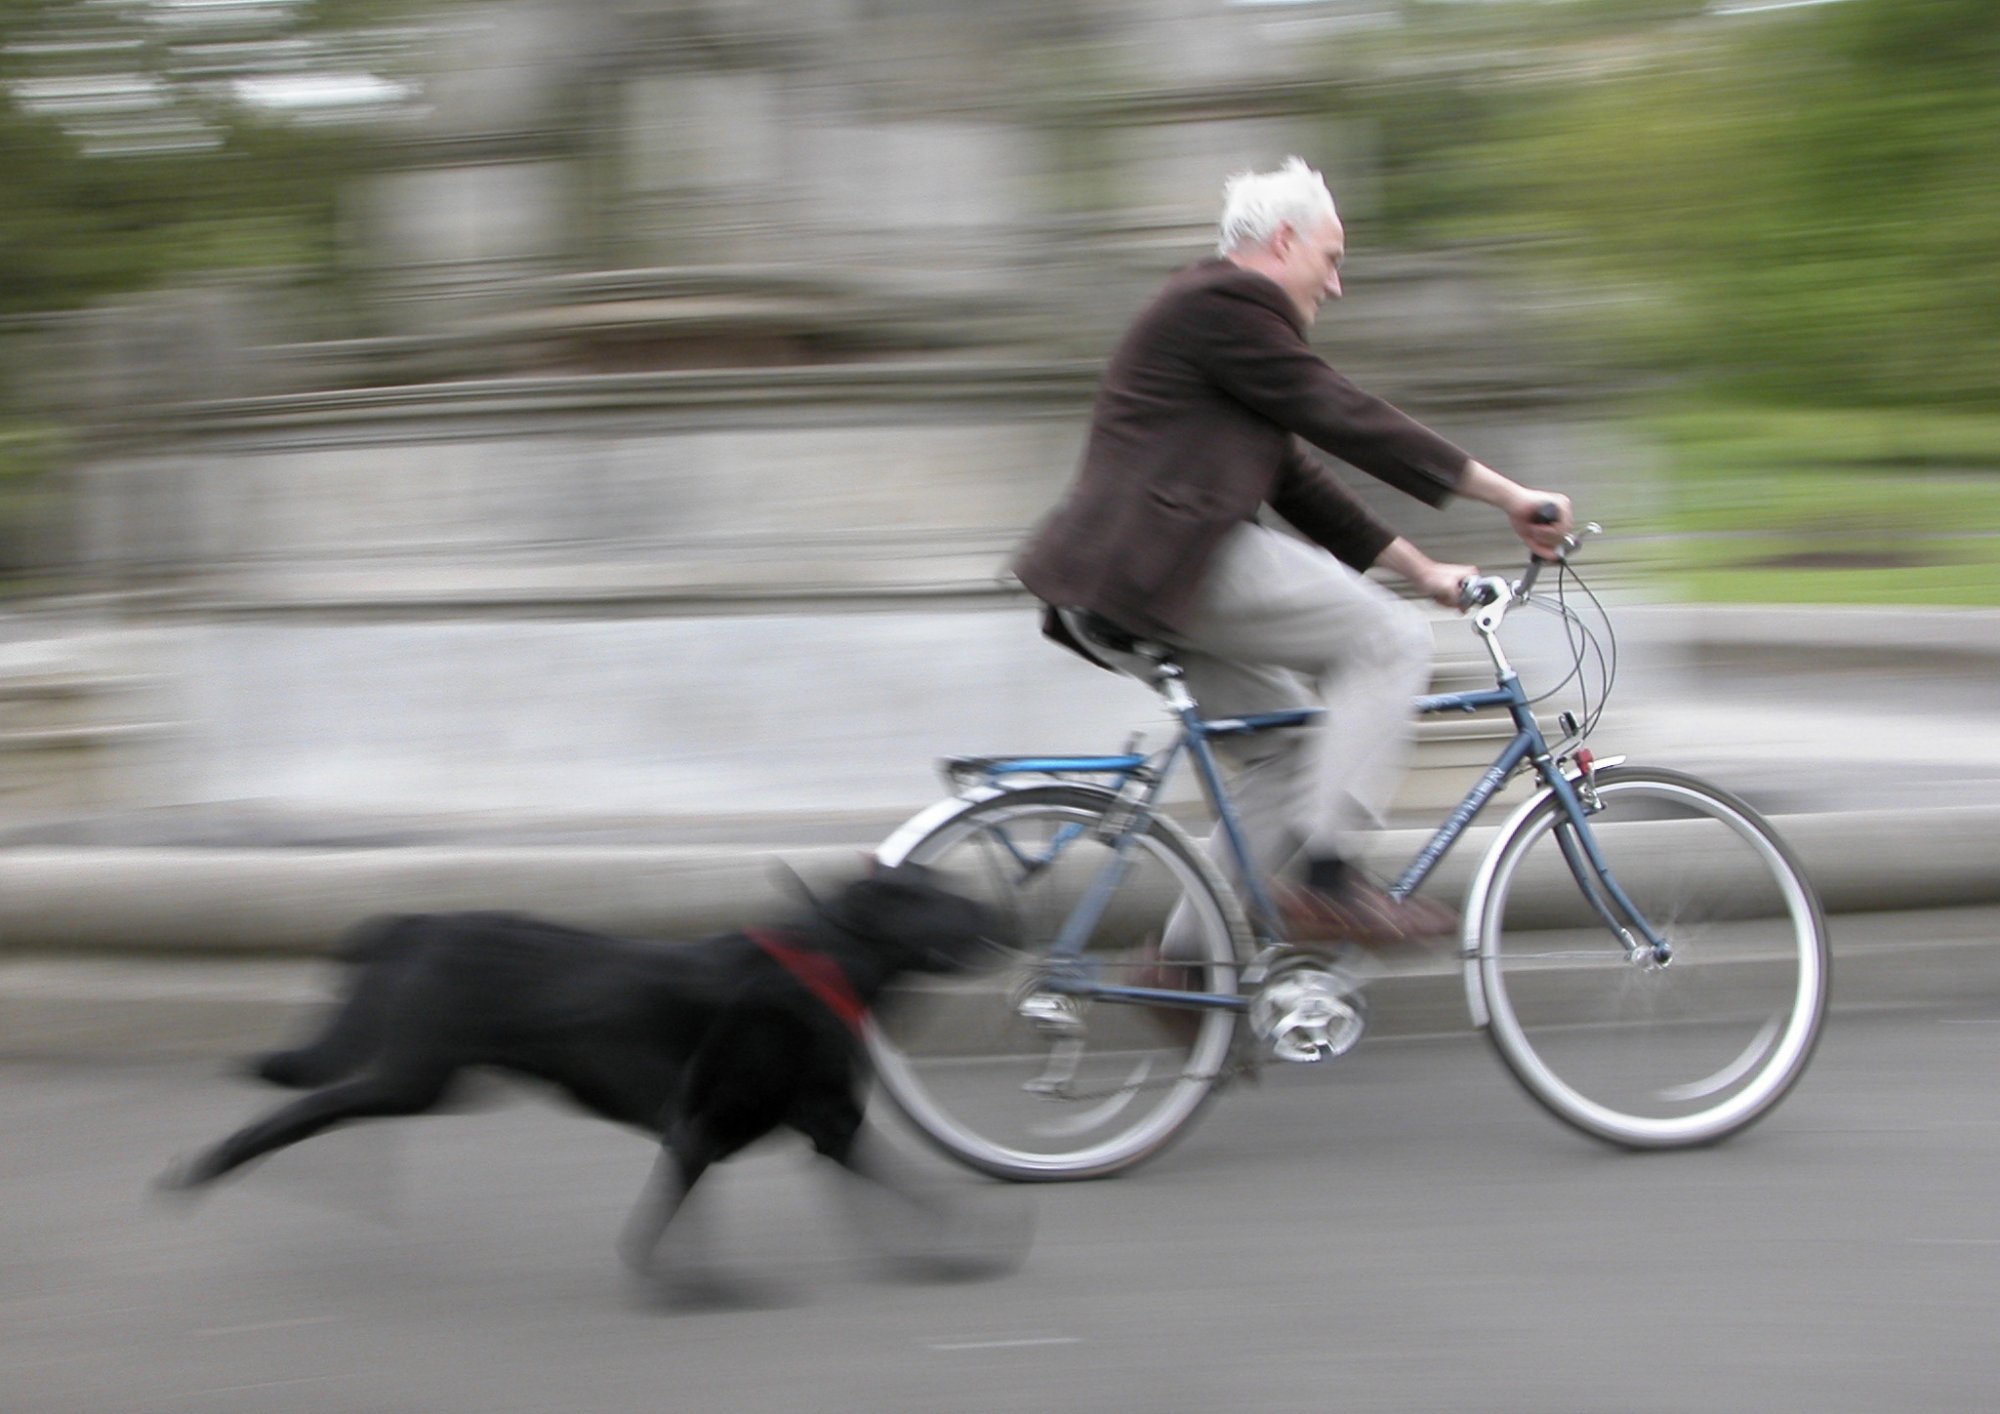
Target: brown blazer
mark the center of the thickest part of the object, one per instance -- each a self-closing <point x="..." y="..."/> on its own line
<point x="1196" y="426"/>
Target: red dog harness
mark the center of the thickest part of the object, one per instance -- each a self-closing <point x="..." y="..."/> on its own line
<point x="817" y="973"/>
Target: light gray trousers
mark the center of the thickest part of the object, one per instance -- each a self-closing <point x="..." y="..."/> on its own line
<point x="1279" y="623"/>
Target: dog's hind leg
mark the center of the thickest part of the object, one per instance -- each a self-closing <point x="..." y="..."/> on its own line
<point x="406" y="1091"/>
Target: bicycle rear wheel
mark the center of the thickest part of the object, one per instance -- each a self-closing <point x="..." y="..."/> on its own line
<point x="1641" y="1055"/>
<point x="1020" y="1081"/>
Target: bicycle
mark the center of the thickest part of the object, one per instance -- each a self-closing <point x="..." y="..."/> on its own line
<point x="1641" y="948"/>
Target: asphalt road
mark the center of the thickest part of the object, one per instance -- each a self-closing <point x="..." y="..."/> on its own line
<point x="1404" y="1231"/>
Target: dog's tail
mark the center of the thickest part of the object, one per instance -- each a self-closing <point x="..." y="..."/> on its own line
<point x="354" y="1029"/>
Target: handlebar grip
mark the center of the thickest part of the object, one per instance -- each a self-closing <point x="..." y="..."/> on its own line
<point x="1547" y="513"/>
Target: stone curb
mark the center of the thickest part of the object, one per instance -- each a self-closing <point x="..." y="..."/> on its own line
<point x="1855" y="635"/>
<point x="127" y="953"/>
<point x="290" y="902"/>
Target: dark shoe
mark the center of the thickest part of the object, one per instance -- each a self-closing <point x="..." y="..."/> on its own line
<point x="1359" y="911"/>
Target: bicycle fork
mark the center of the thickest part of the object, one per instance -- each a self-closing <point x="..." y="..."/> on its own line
<point x="1577" y="802"/>
<point x="1599" y="886"/>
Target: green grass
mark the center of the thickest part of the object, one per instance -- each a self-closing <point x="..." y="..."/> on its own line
<point x="1833" y="507"/>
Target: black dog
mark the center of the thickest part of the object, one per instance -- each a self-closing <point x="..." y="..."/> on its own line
<point x="708" y="1046"/>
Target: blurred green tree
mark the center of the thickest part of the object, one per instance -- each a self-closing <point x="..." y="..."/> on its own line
<point x="132" y="154"/>
<point x="1801" y="205"/>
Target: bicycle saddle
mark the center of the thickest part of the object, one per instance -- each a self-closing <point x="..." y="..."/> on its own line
<point x="1097" y="630"/>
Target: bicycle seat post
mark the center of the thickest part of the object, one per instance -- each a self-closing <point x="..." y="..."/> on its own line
<point x="1170" y="682"/>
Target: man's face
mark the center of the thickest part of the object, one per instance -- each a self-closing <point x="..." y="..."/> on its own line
<point x="1311" y="264"/>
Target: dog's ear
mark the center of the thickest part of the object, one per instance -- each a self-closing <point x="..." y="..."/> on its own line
<point x="789" y="880"/>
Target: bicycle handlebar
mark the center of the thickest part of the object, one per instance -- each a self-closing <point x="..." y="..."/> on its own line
<point x="1481" y="590"/>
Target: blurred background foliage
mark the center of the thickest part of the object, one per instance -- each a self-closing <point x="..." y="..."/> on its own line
<point x="148" y="142"/>
<point x="138" y="152"/>
<point x="1799" y="203"/>
<point x="1783" y="219"/>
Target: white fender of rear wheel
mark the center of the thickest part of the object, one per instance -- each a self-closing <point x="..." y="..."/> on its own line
<point x="904" y="838"/>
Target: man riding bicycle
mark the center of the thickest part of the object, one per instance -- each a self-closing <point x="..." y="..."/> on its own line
<point x="1198" y="427"/>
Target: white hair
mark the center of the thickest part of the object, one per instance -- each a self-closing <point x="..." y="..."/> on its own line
<point x="1255" y="204"/>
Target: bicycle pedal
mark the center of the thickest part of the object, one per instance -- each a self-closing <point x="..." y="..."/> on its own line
<point x="1052" y="1015"/>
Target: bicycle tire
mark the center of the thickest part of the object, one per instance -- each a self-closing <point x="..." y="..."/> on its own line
<point x="1640" y="1056"/>
<point x="956" y="1056"/>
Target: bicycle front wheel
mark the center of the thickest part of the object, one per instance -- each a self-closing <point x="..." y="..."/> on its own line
<point x="1017" y="1079"/>
<point x="1639" y="1054"/>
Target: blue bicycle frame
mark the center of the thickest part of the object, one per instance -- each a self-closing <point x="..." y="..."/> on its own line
<point x="1577" y="843"/>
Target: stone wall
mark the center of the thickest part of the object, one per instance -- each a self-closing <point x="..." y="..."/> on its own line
<point x="664" y="595"/>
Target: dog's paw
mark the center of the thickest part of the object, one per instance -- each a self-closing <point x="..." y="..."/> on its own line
<point x="181" y="1182"/>
<point x="287" y="1069"/>
<point x="964" y="1242"/>
<point x="639" y="1258"/>
<point x="705" y="1288"/>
